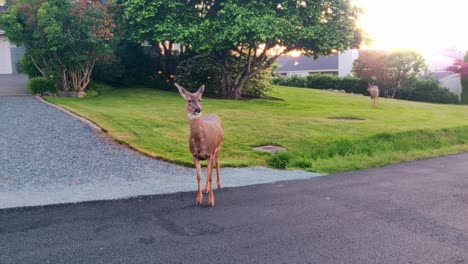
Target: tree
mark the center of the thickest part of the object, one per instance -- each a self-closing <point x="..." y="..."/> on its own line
<point x="461" y="67"/>
<point x="392" y="71"/>
<point x="257" y="32"/>
<point x="62" y="38"/>
<point x="165" y="25"/>
<point x="246" y="37"/>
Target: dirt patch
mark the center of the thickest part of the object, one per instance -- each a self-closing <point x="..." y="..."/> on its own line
<point x="270" y="148"/>
<point x="349" y="118"/>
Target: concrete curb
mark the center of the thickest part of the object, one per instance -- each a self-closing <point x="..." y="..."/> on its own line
<point x="95" y="128"/>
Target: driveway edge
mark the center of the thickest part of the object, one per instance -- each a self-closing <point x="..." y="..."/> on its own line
<point x="95" y="128"/>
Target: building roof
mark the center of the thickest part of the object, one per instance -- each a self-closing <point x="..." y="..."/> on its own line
<point x="304" y="63"/>
<point x="439" y="75"/>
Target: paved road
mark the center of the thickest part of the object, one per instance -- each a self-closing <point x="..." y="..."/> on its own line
<point x="414" y="212"/>
<point x="11" y="84"/>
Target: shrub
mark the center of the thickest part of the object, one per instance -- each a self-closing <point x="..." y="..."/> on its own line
<point x="279" y="160"/>
<point x="97" y="88"/>
<point x="259" y="86"/>
<point x="202" y="69"/>
<point x="40" y="85"/>
<point x="108" y="69"/>
<point x="323" y="81"/>
<point x="428" y="90"/>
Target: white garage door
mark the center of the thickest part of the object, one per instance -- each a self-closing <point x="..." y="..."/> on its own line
<point x="5" y="57"/>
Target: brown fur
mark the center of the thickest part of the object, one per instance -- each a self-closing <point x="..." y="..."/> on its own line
<point x="373" y="93"/>
<point x="206" y="137"/>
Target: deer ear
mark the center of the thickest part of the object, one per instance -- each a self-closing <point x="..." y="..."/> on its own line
<point x="182" y="90"/>
<point x="201" y="89"/>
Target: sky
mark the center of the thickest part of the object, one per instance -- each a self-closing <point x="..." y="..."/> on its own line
<point x="424" y="25"/>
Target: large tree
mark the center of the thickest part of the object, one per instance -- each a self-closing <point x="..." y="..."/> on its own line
<point x="257" y="32"/>
<point x="246" y="36"/>
<point x="63" y="38"/>
<point x="392" y="71"/>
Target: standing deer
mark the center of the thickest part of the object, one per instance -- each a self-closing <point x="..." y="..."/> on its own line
<point x="206" y="137"/>
<point x="374" y="94"/>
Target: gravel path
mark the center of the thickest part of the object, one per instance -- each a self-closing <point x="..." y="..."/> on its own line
<point x="48" y="157"/>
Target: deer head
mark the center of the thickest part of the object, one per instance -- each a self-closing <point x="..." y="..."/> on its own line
<point x="194" y="100"/>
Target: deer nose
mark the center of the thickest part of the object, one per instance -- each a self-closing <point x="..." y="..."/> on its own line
<point x="197" y="110"/>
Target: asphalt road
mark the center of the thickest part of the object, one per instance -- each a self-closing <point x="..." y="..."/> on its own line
<point x="413" y="212"/>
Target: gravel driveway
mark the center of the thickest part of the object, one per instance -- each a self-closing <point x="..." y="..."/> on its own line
<point x="48" y="157"/>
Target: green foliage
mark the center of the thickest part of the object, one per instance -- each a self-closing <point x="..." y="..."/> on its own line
<point x="259" y="86"/>
<point x="200" y="70"/>
<point x="280" y="160"/>
<point x="324" y="81"/>
<point x="249" y="31"/>
<point x="203" y="70"/>
<point x="108" y="69"/>
<point x="390" y="71"/>
<point x="464" y="94"/>
<point x="62" y="38"/>
<point x="292" y="81"/>
<point x="40" y="85"/>
<point x="429" y="90"/>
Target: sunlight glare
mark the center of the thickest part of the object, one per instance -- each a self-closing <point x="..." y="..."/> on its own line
<point x="415" y="24"/>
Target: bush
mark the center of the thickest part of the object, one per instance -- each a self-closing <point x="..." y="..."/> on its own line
<point x="323" y="81"/>
<point x="259" y="86"/>
<point x="428" y="90"/>
<point x="40" y="85"/>
<point x="109" y="69"/>
<point x="202" y="69"/>
<point x="279" y="160"/>
<point x="130" y="64"/>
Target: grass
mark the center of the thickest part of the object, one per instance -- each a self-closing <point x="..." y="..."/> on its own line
<point x="324" y="132"/>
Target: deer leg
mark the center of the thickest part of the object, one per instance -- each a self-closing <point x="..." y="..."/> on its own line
<point x="199" y="176"/>
<point x="207" y="184"/>
<point x="211" y="201"/>
<point x="218" y="180"/>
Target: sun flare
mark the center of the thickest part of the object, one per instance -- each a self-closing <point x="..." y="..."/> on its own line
<point x="415" y="24"/>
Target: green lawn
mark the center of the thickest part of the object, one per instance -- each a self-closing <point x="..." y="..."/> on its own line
<point x="155" y="122"/>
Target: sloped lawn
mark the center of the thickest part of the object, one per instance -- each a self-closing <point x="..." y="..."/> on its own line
<point x="323" y="131"/>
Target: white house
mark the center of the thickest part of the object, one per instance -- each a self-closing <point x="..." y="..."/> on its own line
<point x="339" y="64"/>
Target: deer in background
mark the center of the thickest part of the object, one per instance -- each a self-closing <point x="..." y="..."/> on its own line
<point x="206" y="137"/>
<point x="373" y="93"/>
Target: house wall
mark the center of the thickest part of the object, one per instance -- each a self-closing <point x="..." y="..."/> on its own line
<point x="5" y="57"/>
<point x="452" y="83"/>
<point x="345" y="62"/>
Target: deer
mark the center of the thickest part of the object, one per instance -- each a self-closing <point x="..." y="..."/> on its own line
<point x="373" y="93"/>
<point x="206" y="137"/>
